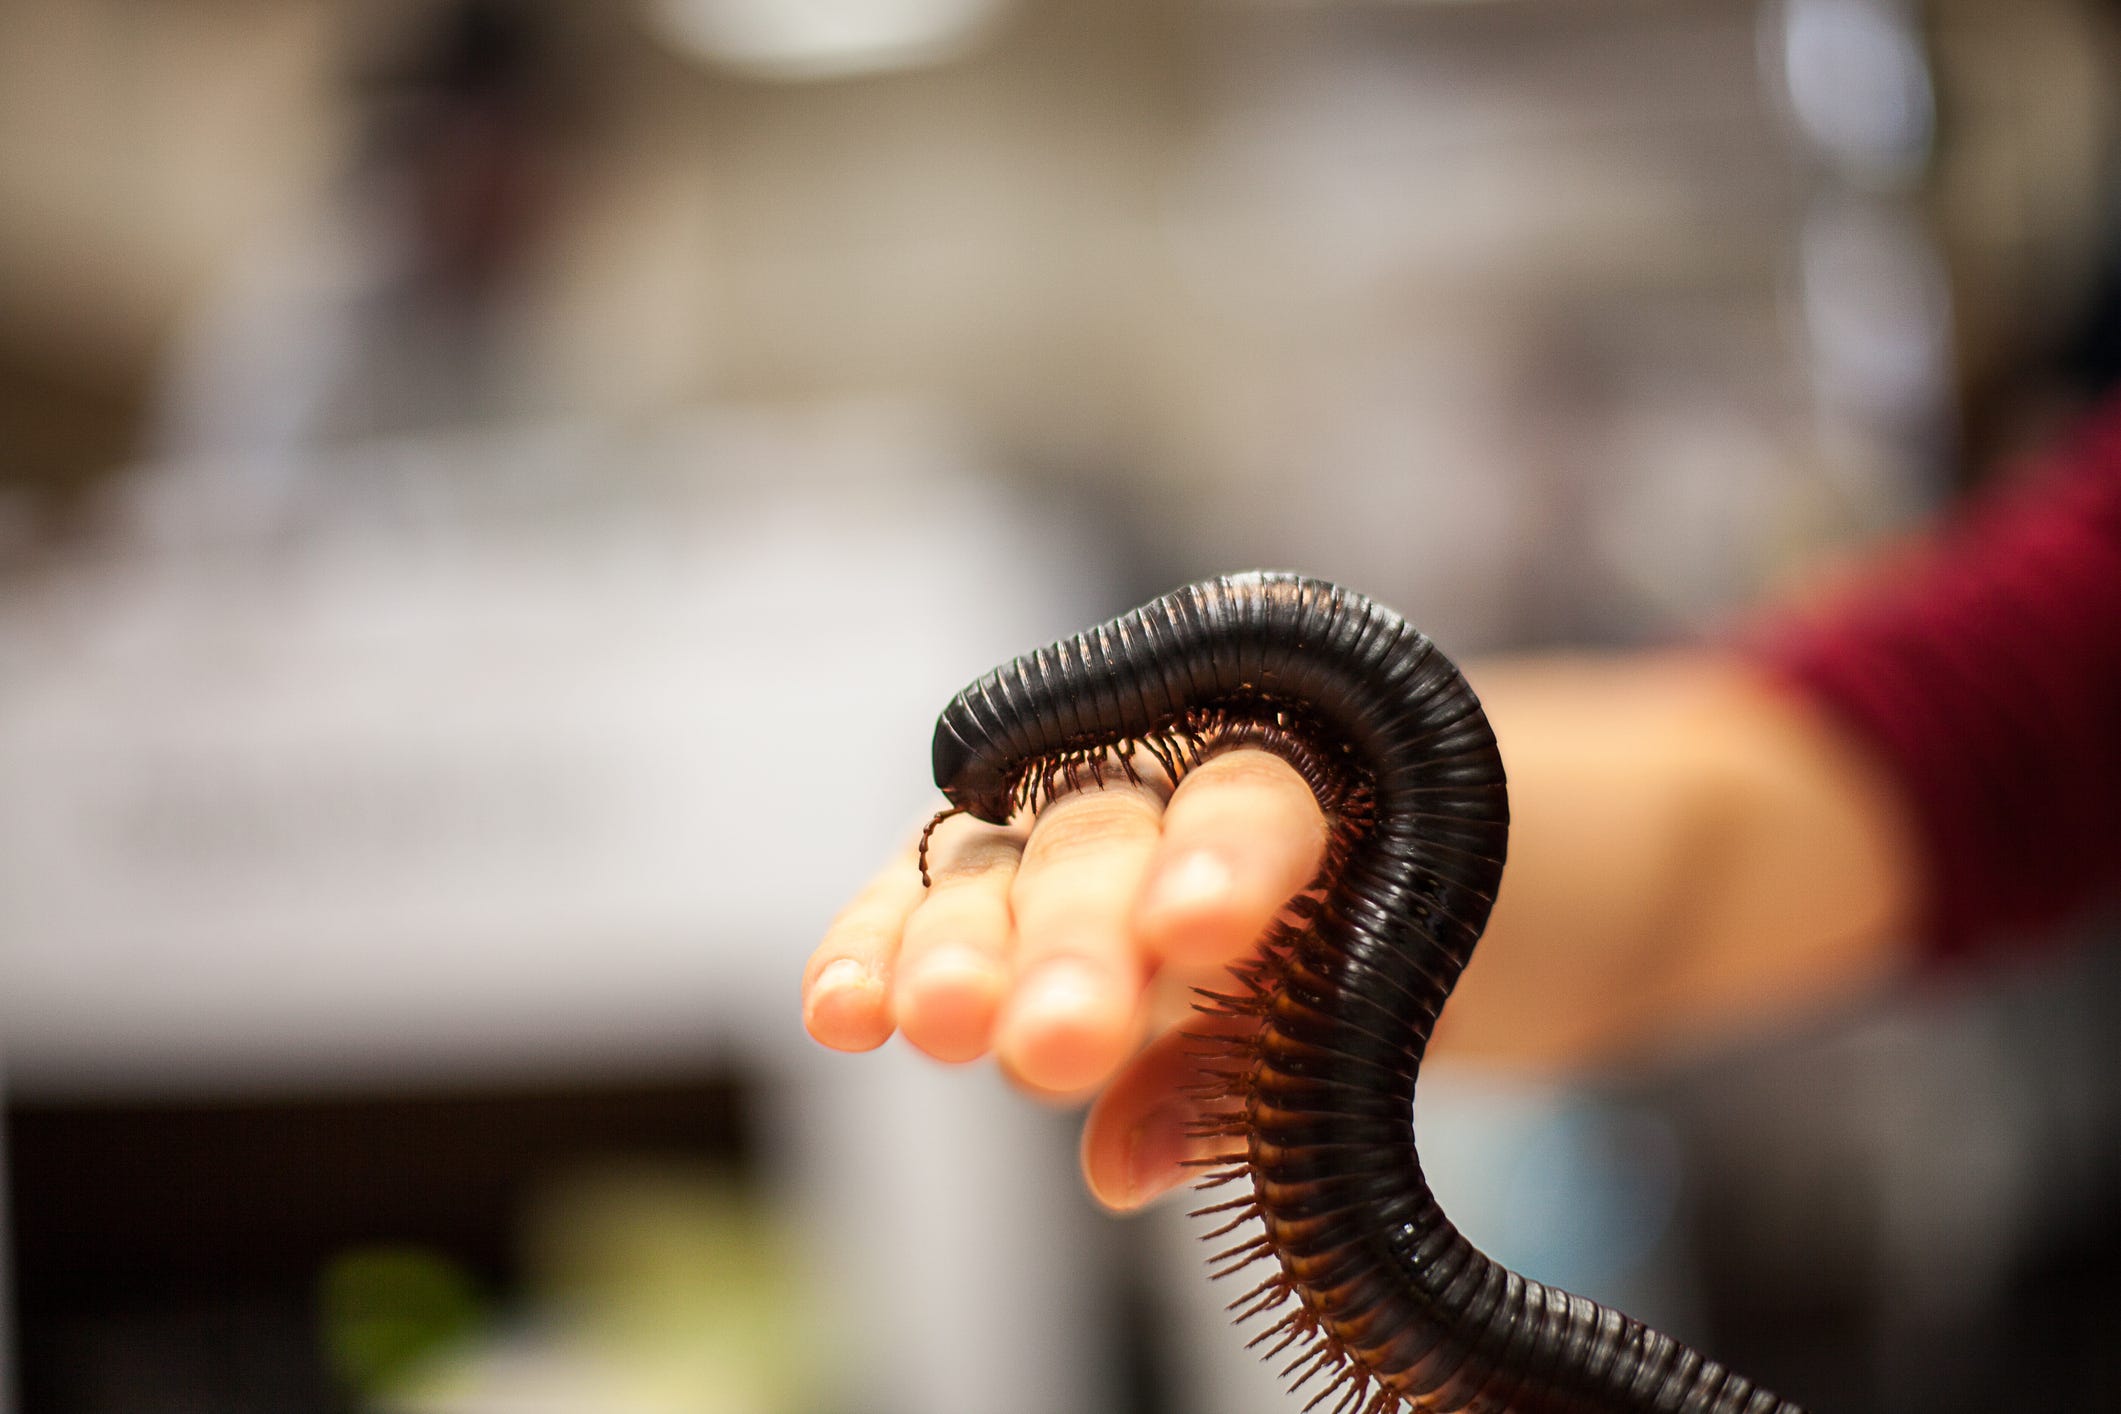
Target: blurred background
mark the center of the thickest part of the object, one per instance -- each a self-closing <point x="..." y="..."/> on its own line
<point x="492" y="494"/>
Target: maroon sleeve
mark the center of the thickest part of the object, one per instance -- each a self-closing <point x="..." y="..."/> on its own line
<point x="1986" y="674"/>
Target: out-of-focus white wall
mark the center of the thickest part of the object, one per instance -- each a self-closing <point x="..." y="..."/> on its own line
<point x="1360" y="286"/>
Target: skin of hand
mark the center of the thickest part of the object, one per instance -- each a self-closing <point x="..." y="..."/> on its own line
<point x="1693" y="854"/>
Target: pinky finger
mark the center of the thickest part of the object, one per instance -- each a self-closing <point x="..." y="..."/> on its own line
<point x="847" y="982"/>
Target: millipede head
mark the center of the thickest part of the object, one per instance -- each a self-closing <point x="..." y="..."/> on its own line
<point x="971" y="779"/>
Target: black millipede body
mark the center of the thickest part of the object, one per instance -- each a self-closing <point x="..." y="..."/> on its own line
<point x="1371" y="1283"/>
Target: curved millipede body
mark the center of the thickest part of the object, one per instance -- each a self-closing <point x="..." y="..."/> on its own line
<point x="1372" y="1289"/>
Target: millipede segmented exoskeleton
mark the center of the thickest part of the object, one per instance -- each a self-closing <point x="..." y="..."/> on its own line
<point x="1308" y="1076"/>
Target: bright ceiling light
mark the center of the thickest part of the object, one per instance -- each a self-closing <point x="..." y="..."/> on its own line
<point x="821" y="39"/>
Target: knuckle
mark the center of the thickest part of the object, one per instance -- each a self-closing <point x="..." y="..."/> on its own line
<point x="1247" y="768"/>
<point x="974" y="858"/>
<point x="861" y="933"/>
<point x="958" y="917"/>
<point x="1091" y="822"/>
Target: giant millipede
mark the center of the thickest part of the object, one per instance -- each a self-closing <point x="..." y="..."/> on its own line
<point x="1310" y="1076"/>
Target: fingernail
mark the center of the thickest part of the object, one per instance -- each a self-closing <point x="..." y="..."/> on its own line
<point x="1063" y="1031"/>
<point x="1194" y="879"/>
<point x="946" y="1003"/>
<point x="846" y="972"/>
<point x="845" y="1008"/>
<point x="1156" y="1150"/>
<point x="1066" y="984"/>
<point x="951" y="963"/>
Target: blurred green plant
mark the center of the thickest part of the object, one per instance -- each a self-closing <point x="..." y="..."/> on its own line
<point x="385" y="1312"/>
<point x="686" y="1282"/>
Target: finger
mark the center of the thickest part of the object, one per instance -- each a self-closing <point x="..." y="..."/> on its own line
<point x="953" y="965"/>
<point x="1243" y="833"/>
<point x="1137" y="1139"/>
<point x="1071" y="1016"/>
<point x="846" y="984"/>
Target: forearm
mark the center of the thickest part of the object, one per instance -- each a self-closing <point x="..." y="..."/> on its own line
<point x="1695" y="851"/>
